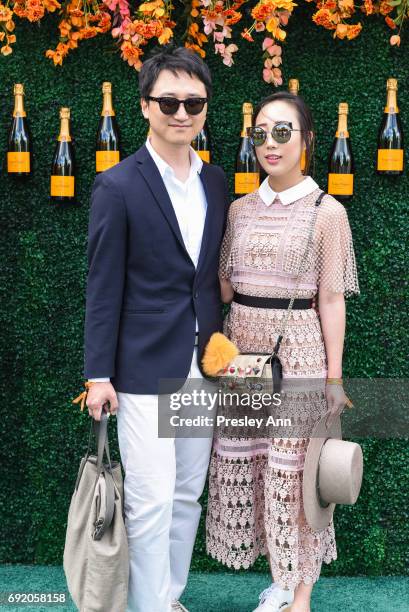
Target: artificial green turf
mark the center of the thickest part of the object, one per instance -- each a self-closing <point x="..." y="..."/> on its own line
<point x="229" y="592"/>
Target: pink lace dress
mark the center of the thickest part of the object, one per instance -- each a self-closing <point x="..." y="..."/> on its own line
<point x="255" y="501"/>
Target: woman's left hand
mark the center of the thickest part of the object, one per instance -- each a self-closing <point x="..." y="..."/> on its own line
<point x="336" y="401"/>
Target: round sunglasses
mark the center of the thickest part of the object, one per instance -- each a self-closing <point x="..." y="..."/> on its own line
<point x="170" y="106"/>
<point x="281" y="133"/>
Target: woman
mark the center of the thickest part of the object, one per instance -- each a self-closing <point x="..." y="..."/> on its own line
<point x="255" y="488"/>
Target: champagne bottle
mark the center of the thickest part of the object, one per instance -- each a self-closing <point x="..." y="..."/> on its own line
<point x="19" y="140"/>
<point x="390" y="138"/>
<point x="247" y="176"/>
<point x="63" y="166"/>
<point x="341" y="162"/>
<point x="201" y="143"/>
<point x="107" y="150"/>
<point x="294" y="88"/>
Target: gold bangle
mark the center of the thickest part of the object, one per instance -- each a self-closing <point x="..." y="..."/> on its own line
<point x="334" y="381"/>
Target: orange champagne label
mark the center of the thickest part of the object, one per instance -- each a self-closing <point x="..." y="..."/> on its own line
<point x="62" y="186"/>
<point x="390" y="159"/>
<point x="340" y="184"/>
<point x="205" y="155"/>
<point x="106" y="159"/>
<point x="246" y="182"/>
<point x="18" y="162"/>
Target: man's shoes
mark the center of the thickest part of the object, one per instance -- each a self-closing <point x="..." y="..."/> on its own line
<point x="274" y="599"/>
<point x="178" y="607"/>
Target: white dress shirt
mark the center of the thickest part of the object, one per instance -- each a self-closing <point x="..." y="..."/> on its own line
<point x="189" y="203"/>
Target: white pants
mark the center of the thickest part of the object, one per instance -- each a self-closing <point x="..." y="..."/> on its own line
<point x="164" y="477"/>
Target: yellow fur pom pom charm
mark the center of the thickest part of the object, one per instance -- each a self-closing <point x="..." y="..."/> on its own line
<point x="218" y="353"/>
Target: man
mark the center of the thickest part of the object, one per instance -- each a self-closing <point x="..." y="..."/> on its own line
<point x="153" y="300"/>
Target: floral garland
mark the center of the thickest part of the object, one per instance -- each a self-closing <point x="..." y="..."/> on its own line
<point x="207" y="21"/>
<point x="333" y="15"/>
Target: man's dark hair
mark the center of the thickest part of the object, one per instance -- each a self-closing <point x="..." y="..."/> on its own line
<point x="175" y="59"/>
<point x="304" y="117"/>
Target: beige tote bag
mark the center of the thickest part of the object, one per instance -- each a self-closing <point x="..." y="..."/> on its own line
<point x="96" y="561"/>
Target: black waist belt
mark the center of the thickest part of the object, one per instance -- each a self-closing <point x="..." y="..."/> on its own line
<point x="266" y="302"/>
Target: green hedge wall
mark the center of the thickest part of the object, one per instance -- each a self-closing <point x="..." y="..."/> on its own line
<point x="43" y="272"/>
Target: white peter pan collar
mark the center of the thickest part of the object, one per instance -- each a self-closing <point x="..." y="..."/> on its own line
<point x="268" y="195"/>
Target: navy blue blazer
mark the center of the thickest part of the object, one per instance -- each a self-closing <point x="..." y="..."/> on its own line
<point x="143" y="290"/>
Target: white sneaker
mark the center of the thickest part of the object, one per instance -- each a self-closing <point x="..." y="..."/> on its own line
<point x="178" y="607"/>
<point x="274" y="599"/>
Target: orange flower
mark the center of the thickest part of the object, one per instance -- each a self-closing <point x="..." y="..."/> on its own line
<point x="11" y="38"/>
<point x="385" y="8"/>
<point x="155" y="8"/>
<point x="261" y="12"/>
<point x="368" y="7"/>
<point x="324" y="18"/>
<point x="51" y="5"/>
<point x="196" y="48"/>
<point x="395" y="40"/>
<point x="346" y="6"/>
<point x="341" y="31"/>
<point x="390" y="23"/>
<point x="88" y="32"/>
<point x="76" y="12"/>
<point x="232" y="17"/>
<point x="165" y="36"/>
<point x="35" y="10"/>
<point x="10" y="26"/>
<point x="5" y="15"/>
<point x="131" y="54"/>
<point x="354" y="31"/>
<point x="6" y="50"/>
<point x="247" y="36"/>
<point x="64" y="28"/>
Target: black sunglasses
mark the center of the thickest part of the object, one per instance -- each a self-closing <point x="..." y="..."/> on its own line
<point x="281" y="133"/>
<point x="170" y="106"/>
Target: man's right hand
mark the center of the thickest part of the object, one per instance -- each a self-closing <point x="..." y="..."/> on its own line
<point x="98" y="394"/>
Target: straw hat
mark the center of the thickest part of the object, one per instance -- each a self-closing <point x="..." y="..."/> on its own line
<point x="333" y="471"/>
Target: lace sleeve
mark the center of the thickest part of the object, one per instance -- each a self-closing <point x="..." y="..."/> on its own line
<point x="337" y="270"/>
<point x="226" y="259"/>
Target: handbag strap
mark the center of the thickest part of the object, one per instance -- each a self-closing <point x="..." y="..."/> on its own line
<point x="100" y="429"/>
<point x="101" y="525"/>
<point x="101" y="433"/>
<point x="290" y="305"/>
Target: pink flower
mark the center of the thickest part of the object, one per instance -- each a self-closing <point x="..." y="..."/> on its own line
<point x="268" y="42"/>
<point x="284" y="16"/>
<point x="122" y="4"/>
<point x="209" y="25"/>
<point x="226" y="52"/>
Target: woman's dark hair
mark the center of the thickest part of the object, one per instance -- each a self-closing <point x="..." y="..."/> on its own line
<point x="175" y="59"/>
<point x="304" y="116"/>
